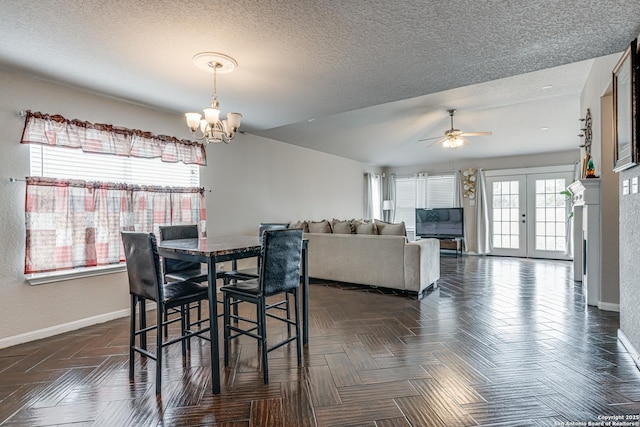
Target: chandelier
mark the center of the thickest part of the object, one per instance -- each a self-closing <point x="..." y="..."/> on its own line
<point x="211" y="128"/>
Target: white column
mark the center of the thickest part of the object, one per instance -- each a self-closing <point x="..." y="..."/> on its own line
<point x="586" y="193"/>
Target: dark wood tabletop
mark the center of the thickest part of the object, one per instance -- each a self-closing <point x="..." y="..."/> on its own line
<point x="213" y="246"/>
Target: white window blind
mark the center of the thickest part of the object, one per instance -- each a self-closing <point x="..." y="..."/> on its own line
<point x="406" y="202"/>
<point x="441" y="191"/>
<point x="436" y="191"/>
<point x="68" y="163"/>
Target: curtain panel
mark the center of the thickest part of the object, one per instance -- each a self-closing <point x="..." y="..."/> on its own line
<point x="55" y="130"/>
<point x="484" y="245"/>
<point x="72" y="224"/>
<point x="372" y="196"/>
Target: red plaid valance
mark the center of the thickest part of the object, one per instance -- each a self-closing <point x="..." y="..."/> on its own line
<point x="55" y="130"/>
<point x="72" y="224"/>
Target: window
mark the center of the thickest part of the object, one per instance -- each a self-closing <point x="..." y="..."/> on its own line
<point x="53" y="162"/>
<point x="436" y="191"/>
<point x="88" y="182"/>
<point x="406" y="202"/>
<point x="441" y="191"/>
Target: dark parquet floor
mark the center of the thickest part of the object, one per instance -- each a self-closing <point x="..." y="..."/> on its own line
<point x="502" y="341"/>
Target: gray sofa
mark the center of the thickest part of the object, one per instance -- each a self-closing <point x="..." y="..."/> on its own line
<point x="375" y="260"/>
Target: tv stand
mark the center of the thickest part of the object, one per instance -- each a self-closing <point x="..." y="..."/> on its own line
<point x="454" y="243"/>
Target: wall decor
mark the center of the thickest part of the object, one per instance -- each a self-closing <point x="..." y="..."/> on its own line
<point x="625" y="109"/>
<point x="469" y="185"/>
<point x="588" y="168"/>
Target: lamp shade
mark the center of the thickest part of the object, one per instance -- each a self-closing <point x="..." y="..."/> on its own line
<point x="234" y="120"/>
<point x="387" y="205"/>
<point x="193" y="120"/>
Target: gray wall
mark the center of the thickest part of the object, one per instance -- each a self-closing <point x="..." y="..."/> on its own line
<point x="629" y="262"/>
<point x="253" y="179"/>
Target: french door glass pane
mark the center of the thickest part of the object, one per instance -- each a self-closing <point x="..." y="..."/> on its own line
<point x="506" y="207"/>
<point x="551" y="214"/>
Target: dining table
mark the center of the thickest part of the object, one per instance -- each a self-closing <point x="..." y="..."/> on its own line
<point x="218" y="249"/>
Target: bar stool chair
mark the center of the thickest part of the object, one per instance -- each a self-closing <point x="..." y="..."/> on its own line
<point x="279" y="273"/>
<point x="176" y="269"/>
<point x="252" y="273"/>
<point x="146" y="284"/>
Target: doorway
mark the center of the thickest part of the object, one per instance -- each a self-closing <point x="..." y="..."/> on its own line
<point x="529" y="217"/>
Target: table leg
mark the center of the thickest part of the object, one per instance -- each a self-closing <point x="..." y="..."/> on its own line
<point x="213" y="323"/>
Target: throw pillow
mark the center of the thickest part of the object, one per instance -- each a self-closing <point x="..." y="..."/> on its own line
<point x="342" y="227"/>
<point x="319" y="226"/>
<point x="300" y="224"/>
<point x="390" y="229"/>
<point x="366" y="228"/>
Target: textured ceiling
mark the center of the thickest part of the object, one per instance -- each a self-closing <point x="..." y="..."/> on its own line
<point x="362" y="79"/>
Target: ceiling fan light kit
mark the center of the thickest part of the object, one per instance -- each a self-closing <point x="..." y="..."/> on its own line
<point x="211" y="128"/>
<point x="454" y="138"/>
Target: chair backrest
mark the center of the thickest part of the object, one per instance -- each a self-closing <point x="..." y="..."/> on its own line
<point x="271" y="226"/>
<point x="280" y="266"/>
<point x="176" y="232"/>
<point x="143" y="264"/>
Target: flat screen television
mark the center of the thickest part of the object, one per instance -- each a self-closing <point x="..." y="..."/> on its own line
<point x="445" y="223"/>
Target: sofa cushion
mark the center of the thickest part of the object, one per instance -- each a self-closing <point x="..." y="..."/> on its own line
<point x="366" y="228"/>
<point x="390" y="229"/>
<point x="342" y="227"/>
<point x="319" y="226"/>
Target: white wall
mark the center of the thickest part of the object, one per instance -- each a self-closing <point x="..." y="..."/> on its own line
<point x="253" y="179"/>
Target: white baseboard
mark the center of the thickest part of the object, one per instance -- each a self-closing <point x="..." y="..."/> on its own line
<point x="609" y="306"/>
<point x="59" y="329"/>
<point x="629" y="347"/>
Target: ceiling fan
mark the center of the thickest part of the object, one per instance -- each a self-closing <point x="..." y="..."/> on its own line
<point x="454" y="138"/>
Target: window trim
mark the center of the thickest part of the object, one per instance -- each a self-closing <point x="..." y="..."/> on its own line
<point x="76" y="273"/>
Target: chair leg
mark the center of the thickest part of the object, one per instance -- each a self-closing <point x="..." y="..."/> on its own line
<point x="143" y="322"/>
<point x="296" y="308"/>
<point x="288" y="309"/>
<point x="226" y="323"/>
<point x="166" y="326"/>
<point x="235" y="311"/>
<point x="262" y="330"/>
<point x="159" y="318"/>
<point x="187" y="326"/>
<point x="132" y="335"/>
<point x="183" y="329"/>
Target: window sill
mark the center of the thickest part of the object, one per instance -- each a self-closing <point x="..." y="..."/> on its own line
<point x="77" y="273"/>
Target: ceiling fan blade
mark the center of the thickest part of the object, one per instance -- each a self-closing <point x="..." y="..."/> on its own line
<point x="476" y="134"/>
<point x="428" y="139"/>
<point x="439" y="141"/>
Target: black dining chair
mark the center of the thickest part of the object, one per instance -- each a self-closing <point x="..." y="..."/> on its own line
<point x="146" y="284"/>
<point x="176" y="269"/>
<point x="279" y="273"/>
<point x="252" y="272"/>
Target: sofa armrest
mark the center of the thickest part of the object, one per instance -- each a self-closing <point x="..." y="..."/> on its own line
<point x="421" y="264"/>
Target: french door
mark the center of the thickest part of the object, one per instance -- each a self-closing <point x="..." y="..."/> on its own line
<point x="528" y="215"/>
